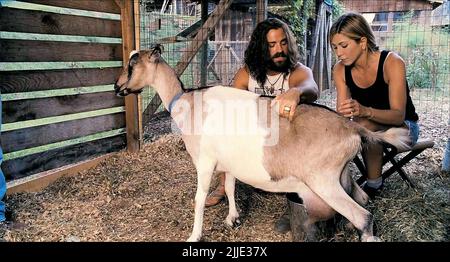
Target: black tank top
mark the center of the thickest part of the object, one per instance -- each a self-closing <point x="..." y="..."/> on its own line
<point x="377" y="95"/>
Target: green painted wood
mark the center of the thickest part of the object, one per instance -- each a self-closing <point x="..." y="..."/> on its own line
<point x="58" y="92"/>
<point x="29" y="138"/>
<point x="27" y="21"/>
<point x="51" y="159"/>
<point x="20" y="66"/>
<point x="63" y="47"/>
<point x="107" y="6"/>
<point x="75" y="141"/>
<point x="57" y="10"/>
<point x="28" y="81"/>
<point x="57" y="119"/>
<point x="43" y="51"/>
<point x="60" y="38"/>
<point x="33" y="109"/>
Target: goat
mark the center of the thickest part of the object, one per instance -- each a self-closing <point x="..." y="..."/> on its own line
<point x="308" y="156"/>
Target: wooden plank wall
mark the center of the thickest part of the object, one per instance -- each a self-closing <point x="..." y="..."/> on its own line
<point x="231" y="35"/>
<point x="58" y="62"/>
<point x="386" y="5"/>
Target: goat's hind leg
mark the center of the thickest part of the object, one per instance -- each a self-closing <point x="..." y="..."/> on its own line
<point x="232" y="219"/>
<point x="328" y="187"/>
<point x="205" y="169"/>
<point x="353" y="188"/>
<point x="358" y="194"/>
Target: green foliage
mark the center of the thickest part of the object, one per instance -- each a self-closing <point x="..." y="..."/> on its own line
<point x="338" y="10"/>
<point x="298" y="14"/>
<point x="301" y="10"/>
<point x="425" y="51"/>
<point x="426" y="69"/>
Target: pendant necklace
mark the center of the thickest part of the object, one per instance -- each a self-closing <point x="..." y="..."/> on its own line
<point x="272" y="85"/>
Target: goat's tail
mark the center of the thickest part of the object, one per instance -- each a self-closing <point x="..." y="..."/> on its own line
<point x="396" y="136"/>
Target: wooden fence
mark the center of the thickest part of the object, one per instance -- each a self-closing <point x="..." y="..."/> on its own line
<point x="58" y="63"/>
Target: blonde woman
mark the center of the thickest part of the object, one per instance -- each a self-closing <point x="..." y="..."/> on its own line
<point x="371" y="88"/>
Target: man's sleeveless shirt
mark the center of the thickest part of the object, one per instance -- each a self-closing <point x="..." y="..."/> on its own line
<point x="274" y="85"/>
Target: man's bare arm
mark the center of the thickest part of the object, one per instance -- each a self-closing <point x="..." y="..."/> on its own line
<point x="241" y="79"/>
<point x="302" y="79"/>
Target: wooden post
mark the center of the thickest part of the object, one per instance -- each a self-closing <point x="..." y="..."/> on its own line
<point x="315" y="37"/>
<point x="261" y="10"/>
<point x="390" y="22"/>
<point x="304" y="54"/>
<point x="320" y="49"/>
<point x="132" y="102"/>
<point x="137" y="44"/>
<point x="137" y="23"/>
<point x="328" y="53"/>
<point x="204" y="52"/>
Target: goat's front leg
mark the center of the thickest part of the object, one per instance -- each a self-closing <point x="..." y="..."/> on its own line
<point x="233" y="215"/>
<point x="205" y="170"/>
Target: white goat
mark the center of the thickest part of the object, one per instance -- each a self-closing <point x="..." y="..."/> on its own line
<point x="308" y="156"/>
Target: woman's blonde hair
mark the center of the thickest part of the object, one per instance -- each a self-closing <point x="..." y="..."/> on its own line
<point x="354" y="26"/>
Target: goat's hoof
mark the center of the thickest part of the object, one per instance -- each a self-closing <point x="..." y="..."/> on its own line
<point x="193" y="239"/>
<point x="233" y="222"/>
<point x="373" y="239"/>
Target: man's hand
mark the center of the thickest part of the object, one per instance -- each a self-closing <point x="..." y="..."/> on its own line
<point x="287" y="103"/>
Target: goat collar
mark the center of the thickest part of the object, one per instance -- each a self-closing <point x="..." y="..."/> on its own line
<point x="174" y="100"/>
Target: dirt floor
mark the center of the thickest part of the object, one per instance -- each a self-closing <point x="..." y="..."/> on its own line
<point x="149" y="197"/>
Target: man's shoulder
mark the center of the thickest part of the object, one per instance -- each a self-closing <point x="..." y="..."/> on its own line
<point x="300" y="68"/>
<point x="243" y="70"/>
<point x="241" y="78"/>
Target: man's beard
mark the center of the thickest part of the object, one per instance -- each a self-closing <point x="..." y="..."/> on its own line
<point x="281" y="66"/>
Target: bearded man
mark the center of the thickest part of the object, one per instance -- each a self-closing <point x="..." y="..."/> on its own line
<point x="272" y="68"/>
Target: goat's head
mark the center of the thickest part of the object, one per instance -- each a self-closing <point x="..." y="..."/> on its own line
<point x="140" y="71"/>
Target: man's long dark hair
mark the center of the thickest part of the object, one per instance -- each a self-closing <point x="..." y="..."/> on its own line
<point x="257" y="56"/>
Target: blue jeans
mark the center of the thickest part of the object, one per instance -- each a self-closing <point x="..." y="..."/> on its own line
<point x="2" y="177"/>
<point x="413" y="131"/>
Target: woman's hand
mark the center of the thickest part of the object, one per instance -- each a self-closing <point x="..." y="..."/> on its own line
<point x="352" y="108"/>
<point x="287" y="103"/>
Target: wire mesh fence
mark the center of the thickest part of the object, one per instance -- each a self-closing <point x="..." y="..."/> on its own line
<point x="417" y="30"/>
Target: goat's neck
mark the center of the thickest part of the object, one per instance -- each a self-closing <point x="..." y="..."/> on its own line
<point x="166" y="83"/>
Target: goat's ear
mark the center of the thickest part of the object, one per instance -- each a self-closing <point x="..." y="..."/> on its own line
<point x="160" y="48"/>
<point x="133" y="59"/>
<point x="133" y="53"/>
<point x="157" y="48"/>
<point x="155" y="55"/>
